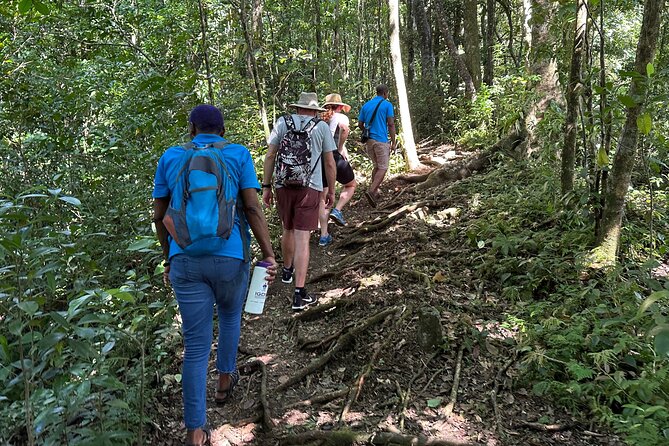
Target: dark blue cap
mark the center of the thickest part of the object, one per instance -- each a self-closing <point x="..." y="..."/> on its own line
<point x="206" y="117"/>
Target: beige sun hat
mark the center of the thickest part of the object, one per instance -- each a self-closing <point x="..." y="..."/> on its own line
<point x="308" y="101"/>
<point x="335" y="99"/>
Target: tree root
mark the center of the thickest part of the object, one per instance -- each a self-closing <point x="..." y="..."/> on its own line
<point x="404" y="396"/>
<point x="456" y="382"/>
<point x="546" y="427"/>
<point x="311" y="314"/>
<point x="346" y="437"/>
<point x="315" y="344"/>
<point x="343" y="341"/>
<point x="340" y="272"/>
<point x="354" y="394"/>
<point x="495" y="390"/>
<point x="249" y="368"/>
<point x="319" y="399"/>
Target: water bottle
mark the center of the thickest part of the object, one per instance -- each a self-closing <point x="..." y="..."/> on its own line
<point x="255" y="299"/>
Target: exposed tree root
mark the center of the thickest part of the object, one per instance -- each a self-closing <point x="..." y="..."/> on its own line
<point x="343" y="341"/>
<point x="493" y="394"/>
<point x="345" y="437"/>
<point x="546" y="427"/>
<point x="319" y="399"/>
<point x="357" y="388"/>
<point x="340" y="272"/>
<point x="404" y="396"/>
<point x="315" y="344"/>
<point x="456" y="382"/>
<point x="318" y="311"/>
<point x="247" y="369"/>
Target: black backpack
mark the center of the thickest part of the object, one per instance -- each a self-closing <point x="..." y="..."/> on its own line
<point x="292" y="166"/>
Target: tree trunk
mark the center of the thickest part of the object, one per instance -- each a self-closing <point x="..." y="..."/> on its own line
<point x="540" y="63"/>
<point x="425" y="35"/>
<point x="409" y="42"/>
<point x="410" y="154"/>
<point x="205" y="50"/>
<point x="574" y="89"/>
<point x="254" y="70"/>
<point x="470" y="89"/>
<point x="623" y="162"/>
<point x="471" y="40"/>
<point x="488" y="71"/>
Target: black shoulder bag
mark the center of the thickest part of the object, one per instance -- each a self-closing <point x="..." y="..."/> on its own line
<point x="365" y="131"/>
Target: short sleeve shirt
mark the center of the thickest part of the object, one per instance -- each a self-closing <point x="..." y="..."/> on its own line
<point x="321" y="142"/>
<point x="379" y="128"/>
<point x="239" y="163"/>
<point x="336" y="120"/>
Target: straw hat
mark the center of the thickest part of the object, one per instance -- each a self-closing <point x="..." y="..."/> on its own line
<point x="308" y="101"/>
<point x="335" y="99"/>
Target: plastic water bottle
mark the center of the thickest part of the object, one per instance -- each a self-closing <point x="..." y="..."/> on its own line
<point x="255" y="299"/>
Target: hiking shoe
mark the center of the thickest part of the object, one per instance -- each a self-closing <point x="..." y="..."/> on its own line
<point x="338" y="217"/>
<point x="325" y="240"/>
<point x="287" y="274"/>
<point x="301" y="302"/>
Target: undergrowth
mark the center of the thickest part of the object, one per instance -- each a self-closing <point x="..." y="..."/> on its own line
<point x="590" y="340"/>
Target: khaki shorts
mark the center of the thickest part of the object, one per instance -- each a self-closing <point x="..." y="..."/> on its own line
<point x="298" y="208"/>
<point x="379" y="153"/>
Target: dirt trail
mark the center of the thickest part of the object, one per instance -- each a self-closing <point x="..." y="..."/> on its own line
<point x="362" y="355"/>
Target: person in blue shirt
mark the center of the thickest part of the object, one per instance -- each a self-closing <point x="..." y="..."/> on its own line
<point x="378" y="146"/>
<point x="220" y="279"/>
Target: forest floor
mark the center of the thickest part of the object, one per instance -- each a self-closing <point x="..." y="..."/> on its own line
<point x="354" y="363"/>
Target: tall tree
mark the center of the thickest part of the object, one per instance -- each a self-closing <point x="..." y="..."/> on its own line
<point x="472" y="41"/>
<point x="410" y="154"/>
<point x="623" y="162"/>
<point x="488" y="68"/>
<point x="574" y="89"/>
<point x="463" y="71"/>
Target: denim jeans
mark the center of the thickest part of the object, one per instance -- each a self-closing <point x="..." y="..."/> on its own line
<point x="198" y="283"/>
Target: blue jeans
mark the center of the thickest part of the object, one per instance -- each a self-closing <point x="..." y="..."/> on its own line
<point x="198" y="283"/>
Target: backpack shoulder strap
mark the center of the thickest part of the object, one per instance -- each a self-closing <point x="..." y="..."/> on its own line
<point x="289" y="122"/>
<point x="311" y="124"/>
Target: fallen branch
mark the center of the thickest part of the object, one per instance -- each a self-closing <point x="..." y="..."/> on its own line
<point x="346" y="437"/>
<point x="493" y="394"/>
<point x="340" y="272"/>
<point x="456" y="382"/>
<point x="319" y="399"/>
<point x="312" y="344"/>
<point x="316" y="312"/>
<point x="343" y="341"/>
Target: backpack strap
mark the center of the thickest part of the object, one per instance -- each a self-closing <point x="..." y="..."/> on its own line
<point x="289" y="122"/>
<point x="371" y="121"/>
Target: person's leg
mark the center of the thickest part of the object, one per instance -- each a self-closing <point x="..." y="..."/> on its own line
<point x="346" y="194"/>
<point x="196" y="305"/>
<point x="382" y="156"/>
<point x="323" y="214"/>
<point x="301" y="258"/>
<point x="377" y="178"/>
<point x="229" y="279"/>
<point x="288" y="247"/>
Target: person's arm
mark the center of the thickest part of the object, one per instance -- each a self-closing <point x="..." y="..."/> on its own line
<point x="159" y="208"/>
<point x="391" y="130"/>
<point x="331" y="175"/>
<point x="343" y="134"/>
<point x="258" y="223"/>
<point x="268" y="173"/>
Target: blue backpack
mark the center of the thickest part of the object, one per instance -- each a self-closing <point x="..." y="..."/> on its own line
<point x="202" y="209"/>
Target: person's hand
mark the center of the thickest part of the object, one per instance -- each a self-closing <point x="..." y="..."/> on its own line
<point x="166" y="275"/>
<point x="271" y="269"/>
<point x="267" y="196"/>
<point x="330" y="198"/>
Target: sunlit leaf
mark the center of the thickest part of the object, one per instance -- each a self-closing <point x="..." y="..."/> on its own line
<point x="602" y="158"/>
<point x="71" y="200"/>
<point x="25" y="6"/>
<point x="644" y="123"/>
<point x="627" y="101"/>
<point x="434" y="402"/>
<point x="650" y="69"/>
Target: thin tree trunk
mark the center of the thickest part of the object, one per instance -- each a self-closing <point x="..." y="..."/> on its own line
<point x="623" y="163"/>
<point x="488" y="71"/>
<point x="425" y="35"/>
<point x="574" y="89"/>
<point x="254" y="70"/>
<point x="411" y="69"/>
<point x="410" y="154"/>
<point x="470" y="89"/>
<point x="472" y="43"/>
<point x="509" y="18"/>
<point x="205" y="50"/>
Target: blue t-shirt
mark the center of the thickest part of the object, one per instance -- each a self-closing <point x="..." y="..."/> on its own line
<point x="379" y="128"/>
<point x="240" y="165"/>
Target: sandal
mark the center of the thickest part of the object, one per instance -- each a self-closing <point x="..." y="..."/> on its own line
<point x="227" y="393"/>
<point x="207" y="438"/>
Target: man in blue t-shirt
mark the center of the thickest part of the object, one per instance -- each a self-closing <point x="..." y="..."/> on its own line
<point x="378" y="148"/>
<point x="220" y="279"/>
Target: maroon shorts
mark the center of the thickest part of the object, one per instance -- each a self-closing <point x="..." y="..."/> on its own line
<point x="298" y="208"/>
